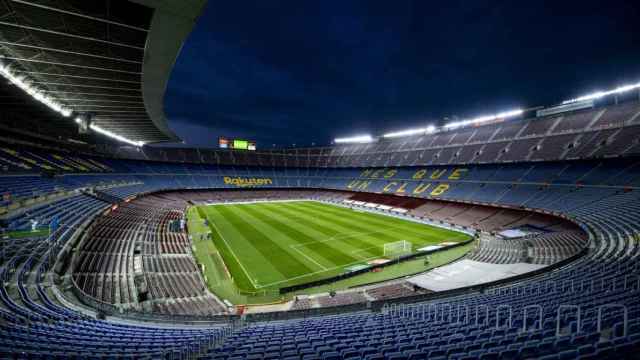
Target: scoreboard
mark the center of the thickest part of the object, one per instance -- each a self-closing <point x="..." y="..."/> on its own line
<point x="236" y="144"/>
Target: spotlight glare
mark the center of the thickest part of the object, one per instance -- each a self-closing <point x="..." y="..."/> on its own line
<point x="481" y="119"/>
<point x="428" y="129"/>
<point x="354" y="139"/>
<point x="601" y="94"/>
<point x="115" y="136"/>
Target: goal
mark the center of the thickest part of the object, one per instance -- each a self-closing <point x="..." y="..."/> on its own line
<point x="397" y="248"/>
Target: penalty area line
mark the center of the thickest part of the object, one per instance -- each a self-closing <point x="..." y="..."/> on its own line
<point x="359" y="251"/>
<point x="308" y="257"/>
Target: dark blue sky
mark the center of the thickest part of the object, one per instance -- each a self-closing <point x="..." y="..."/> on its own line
<point x="303" y="72"/>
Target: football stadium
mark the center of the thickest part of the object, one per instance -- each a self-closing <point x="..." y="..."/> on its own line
<point x="513" y="233"/>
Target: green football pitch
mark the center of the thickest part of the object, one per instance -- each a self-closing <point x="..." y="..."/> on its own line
<point x="269" y="245"/>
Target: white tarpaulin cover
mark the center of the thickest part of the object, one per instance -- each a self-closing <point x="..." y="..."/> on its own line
<point x="513" y="233"/>
<point x="468" y="272"/>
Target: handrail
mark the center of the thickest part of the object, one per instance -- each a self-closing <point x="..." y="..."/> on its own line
<point x="637" y="282"/>
<point x="508" y="307"/>
<point x="486" y="316"/>
<point x="524" y="317"/>
<point x="562" y="307"/>
<point x="625" y="321"/>
<point x="466" y="313"/>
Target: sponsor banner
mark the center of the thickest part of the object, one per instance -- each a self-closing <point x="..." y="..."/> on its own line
<point x="378" y="261"/>
<point x="356" y="267"/>
<point x="246" y="182"/>
<point x="564" y="108"/>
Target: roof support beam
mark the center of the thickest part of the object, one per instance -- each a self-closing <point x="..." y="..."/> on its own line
<point x="116" y="111"/>
<point x="60" y="33"/>
<point x="94" y="94"/>
<point x="79" y="106"/>
<point x="41" y="48"/>
<point x="116" y="117"/>
<point x="75" y="76"/>
<point x="87" y="86"/>
<point x="137" y="126"/>
<point x="71" y="65"/>
<point x="79" y="15"/>
<point x="104" y="101"/>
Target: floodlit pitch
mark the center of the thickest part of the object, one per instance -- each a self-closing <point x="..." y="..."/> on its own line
<point x="269" y="245"/>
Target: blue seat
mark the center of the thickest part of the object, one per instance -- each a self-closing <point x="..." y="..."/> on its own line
<point x="549" y="357"/>
<point x="490" y="356"/>
<point x="567" y="355"/>
<point x="509" y="354"/>
<point x="435" y="353"/>
<point x="586" y="349"/>
<point x="418" y="356"/>
<point x="376" y="356"/>
<point x="627" y="349"/>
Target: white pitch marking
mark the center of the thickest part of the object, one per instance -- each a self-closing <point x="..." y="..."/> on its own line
<point x="356" y="252"/>
<point x="332" y="238"/>
<point x="316" y="272"/>
<point x="308" y="257"/>
<point x="233" y="253"/>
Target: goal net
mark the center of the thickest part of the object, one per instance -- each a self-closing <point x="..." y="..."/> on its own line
<point x="397" y="248"/>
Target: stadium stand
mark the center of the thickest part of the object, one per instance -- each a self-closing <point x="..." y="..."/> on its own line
<point x="93" y="267"/>
<point x="34" y="324"/>
<point x="579" y="131"/>
<point x="593" y="193"/>
<point x="597" y="194"/>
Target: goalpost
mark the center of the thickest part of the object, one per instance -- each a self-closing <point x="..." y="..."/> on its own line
<point x="397" y="248"/>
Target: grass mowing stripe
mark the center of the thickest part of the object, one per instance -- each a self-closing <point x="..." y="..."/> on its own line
<point x="287" y="243"/>
<point x="394" y="227"/>
<point x="364" y="239"/>
<point x="304" y="231"/>
<point x="374" y="236"/>
<point x="206" y="252"/>
<point x="322" y="230"/>
<point x="279" y="233"/>
<point x="270" y="250"/>
<point x="371" y="217"/>
<point x="247" y="251"/>
<point x="407" y="228"/>
<point x="242" y="277"/>
<point x="407" y="225"/>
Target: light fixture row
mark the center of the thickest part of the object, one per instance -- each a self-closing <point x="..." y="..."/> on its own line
<point x="483" y="119"/>
<point x="25" y="84"/>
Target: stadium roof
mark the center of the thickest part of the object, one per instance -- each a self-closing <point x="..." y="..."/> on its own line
<point x="110" y="58"/>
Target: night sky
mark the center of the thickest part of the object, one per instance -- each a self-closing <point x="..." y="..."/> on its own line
<point x="302" y="72"/>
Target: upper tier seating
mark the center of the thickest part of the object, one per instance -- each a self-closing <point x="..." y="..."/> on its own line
<point x="590" y="133"/>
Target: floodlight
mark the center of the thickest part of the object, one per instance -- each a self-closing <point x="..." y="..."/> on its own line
<point x="26" y="85"/>
<point x="409" y="132"/>
<point x="481" y="119"/>
<point x="601" y="94"/>
<point x="354" y="139"/>
<point x="115" y="136"/>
